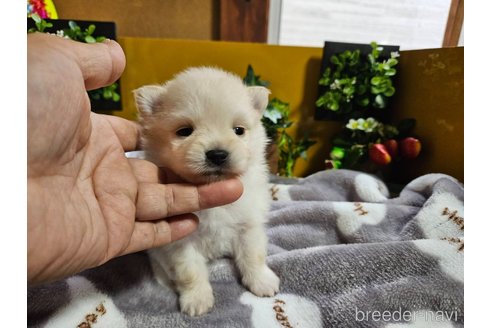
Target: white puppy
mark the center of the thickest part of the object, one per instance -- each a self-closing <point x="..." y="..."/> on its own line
<point x="205" y="125"/>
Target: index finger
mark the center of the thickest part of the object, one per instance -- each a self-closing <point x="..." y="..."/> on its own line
<point x="156" y="201"/>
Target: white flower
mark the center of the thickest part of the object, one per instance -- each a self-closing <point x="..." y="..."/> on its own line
<point x="395" y="54"/>
<point x="360" y="124"/>
<point x="370" y="124"/>
<point x="367" y="125"/>
<point x="335" y="85"/>
<point x="60" y="33"/>
<point x="352" y="124"/>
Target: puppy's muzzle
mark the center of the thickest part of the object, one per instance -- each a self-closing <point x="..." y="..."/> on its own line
<point x="217" y="157"/>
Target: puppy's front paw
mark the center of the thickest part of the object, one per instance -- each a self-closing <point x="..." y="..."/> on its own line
<point x="262" y="282"/>
<point x="197" y="301"/>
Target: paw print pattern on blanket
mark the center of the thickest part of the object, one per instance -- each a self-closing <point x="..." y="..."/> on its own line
<point x="442" y="216"/>
<point x="352" y="216"/>
<point x="441" y="221"/>
<point x="282" y="310"/>
<point x="370" y="189"/>
<point x="87" y="308"/>
<point x="279" y="192"/>
<point x="451" y="259"/>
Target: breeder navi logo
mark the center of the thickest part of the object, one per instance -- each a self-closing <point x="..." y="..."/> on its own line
<point x="405" y="316"/>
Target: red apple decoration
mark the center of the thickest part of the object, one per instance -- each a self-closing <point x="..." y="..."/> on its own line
<point x="379" y="154"/>
<point x="392" y="147"/>
<point x="410" y="147"/>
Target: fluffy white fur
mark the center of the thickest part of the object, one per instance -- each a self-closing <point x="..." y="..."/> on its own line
<point x="216" y="105"/>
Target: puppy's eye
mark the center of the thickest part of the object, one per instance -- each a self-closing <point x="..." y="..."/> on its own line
<point x="238" y="130"/>
<point x="184" y="132"/>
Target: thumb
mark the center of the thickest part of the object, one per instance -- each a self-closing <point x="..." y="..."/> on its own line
<point x="100" y="63"/>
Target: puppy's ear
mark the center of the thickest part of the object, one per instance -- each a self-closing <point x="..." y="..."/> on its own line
<point x="147" y="98"/>
<point x="259" y="98"/>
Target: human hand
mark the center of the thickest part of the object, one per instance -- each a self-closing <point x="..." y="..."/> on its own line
<point x="84" y="195"/>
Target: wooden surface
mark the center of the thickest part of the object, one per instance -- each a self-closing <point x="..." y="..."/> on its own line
<point x="429" y="88"/>
<point x="190" y="19"/>
<point x="244" y="20"/>
<point x="454" y="24"/>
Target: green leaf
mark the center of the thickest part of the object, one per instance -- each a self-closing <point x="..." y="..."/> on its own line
<point x="334" y="59"/>
<point x="390" y="131"/>
<point x="282" y="141"/>
<point x="116" y="97"/>
<point x="337" y="153"/>
<point x="363" y="102"/>
<point x="392" y="62"/>
<point x="376" y="80"/>
<point x="91" y="29"/>
<point x="352" y="156"/>
<point x="333" y="164"/>
<point x="73" y="26"/>
<point x="100" y="39"/>
<point x="273" y="115"/>
<point x="249" y="79"/>
<point x="349" y="90"/>
<point x="390" y="72"/>
<point x="389" y="92"/>
<point x="376" y="90"/>
<point x="89" y="39"/>
<point x="379" y="102"/>
<point x="361" y="89"/>
<point x="94" y="95"/>
<point x="321" y="101"/>
<point x="354" y="59"/>
<point x="107" y="94"/>
<point x="36" y="18"/>
<point x="375" y="53"/>
<point x="334" y="105"/>
<point x="325" y="78"/>
<point x="254" y="80"/>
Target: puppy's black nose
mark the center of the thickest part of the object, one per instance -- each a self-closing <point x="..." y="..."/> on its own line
<point x="217" y="156"/>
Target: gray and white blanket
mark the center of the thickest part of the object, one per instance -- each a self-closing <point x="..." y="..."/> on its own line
<point x="347" y="254"/>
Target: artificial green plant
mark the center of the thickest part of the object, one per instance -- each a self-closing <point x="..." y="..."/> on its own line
<point x="358" y="83"/>
<point x="357" y="88"/>
<point x="276" y="122"/>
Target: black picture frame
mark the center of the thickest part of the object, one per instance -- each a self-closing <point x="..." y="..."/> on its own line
<point x="106" y="29"/>
<point x="331" y="48"/>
